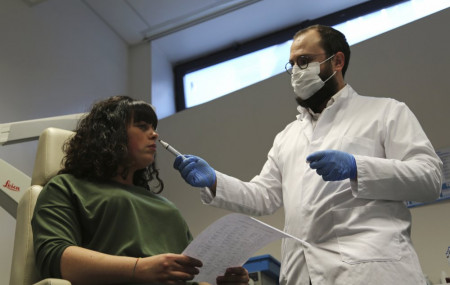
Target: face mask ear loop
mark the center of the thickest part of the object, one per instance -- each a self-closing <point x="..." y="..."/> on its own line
<point x="327" y="59"/>
<point x="330" y="77"/>
<point x="333" y="72"/>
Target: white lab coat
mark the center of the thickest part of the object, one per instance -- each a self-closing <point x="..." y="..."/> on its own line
<point x="359" y="231"/>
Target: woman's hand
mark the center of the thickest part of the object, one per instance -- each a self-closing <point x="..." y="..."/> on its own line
<point x="234" y="276"/>
<point x="167" y="268"/>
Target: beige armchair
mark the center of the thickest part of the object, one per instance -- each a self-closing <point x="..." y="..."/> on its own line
<point x="48" y="162"/>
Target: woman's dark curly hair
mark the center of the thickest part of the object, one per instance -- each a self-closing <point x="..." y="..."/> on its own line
<point x="98" y="150"/>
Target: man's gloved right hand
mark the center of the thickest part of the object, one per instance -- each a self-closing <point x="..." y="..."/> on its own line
<point x="195" y="171"/>
<point x="333" y="165"/>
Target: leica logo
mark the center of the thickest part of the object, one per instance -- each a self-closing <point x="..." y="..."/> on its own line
<point x="11" y="186"/>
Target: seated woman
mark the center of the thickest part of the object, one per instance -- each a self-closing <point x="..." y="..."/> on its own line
<point x="99" y="222"/>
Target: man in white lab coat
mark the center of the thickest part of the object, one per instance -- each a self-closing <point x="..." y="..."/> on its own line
<point x="342" y="170"/>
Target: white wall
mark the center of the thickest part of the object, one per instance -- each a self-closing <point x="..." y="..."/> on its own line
<point x="235" y="132"/>
<point x="56" y="58"/>
<point x="162" y="79"/>
<point x="139" y="83"/>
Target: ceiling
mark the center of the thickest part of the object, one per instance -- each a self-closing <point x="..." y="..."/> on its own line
<point x="185" y="30"/>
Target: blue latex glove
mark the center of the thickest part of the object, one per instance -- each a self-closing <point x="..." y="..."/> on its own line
<point x="333" y="165"/>
<point x="195" y="171"/>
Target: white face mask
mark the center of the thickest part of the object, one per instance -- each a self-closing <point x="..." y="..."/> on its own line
<point x="306" y="82"/>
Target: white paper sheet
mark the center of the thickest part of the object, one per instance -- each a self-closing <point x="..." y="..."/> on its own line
<point x="230" y="241"/>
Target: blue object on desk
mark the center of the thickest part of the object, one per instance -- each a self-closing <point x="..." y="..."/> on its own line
<point x="265" y="264"/>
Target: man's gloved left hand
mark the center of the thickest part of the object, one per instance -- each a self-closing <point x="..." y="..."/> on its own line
<point x="195" y="171"/>
<point x="333" y="165"/>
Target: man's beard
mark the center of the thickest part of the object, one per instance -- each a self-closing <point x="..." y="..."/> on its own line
<point x="318" y="101"/>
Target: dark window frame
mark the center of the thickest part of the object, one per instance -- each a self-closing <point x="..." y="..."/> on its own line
<point x="278" y="37"/>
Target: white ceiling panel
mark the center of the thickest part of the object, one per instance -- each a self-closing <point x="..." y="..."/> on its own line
<point x="121" y="17"/>
<point x="166" y="11"/>
<point x="187" y="29"/>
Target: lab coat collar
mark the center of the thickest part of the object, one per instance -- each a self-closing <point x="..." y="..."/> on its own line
<point x="315" y="116"/>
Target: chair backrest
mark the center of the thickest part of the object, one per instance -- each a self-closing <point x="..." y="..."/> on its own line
<point x="48" y="160"/>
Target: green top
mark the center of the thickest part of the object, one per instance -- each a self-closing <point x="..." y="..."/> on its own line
<point x="107" y="217"/>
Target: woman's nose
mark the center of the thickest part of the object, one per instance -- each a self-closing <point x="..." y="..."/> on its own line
<point x="153" y="133"/>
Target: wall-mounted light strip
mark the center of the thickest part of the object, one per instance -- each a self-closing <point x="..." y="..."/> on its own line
<point x="365" y="27"/>
<point x="200" y="86"/>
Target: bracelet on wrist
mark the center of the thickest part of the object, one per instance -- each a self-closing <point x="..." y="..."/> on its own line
<point x="134" y="268"/>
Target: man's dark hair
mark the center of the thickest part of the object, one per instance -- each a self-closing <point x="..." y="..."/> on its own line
<point x="332" y="41"/>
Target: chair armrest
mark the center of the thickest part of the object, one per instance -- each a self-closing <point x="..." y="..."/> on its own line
<point x="53" y="281"/>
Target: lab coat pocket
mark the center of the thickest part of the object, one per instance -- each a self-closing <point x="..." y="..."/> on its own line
<point x="358" y="145"/>
<point x="367" y="234"/>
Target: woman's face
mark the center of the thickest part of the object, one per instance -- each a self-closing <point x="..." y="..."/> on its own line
<point x="141" y="144"/>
